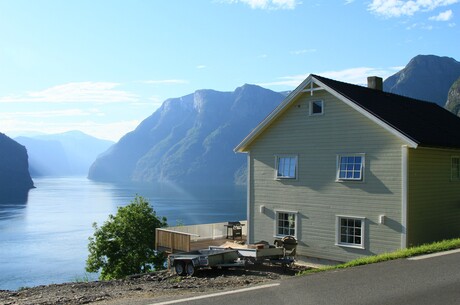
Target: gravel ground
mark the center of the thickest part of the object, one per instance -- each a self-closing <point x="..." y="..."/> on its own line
<point x="158" y="285"/>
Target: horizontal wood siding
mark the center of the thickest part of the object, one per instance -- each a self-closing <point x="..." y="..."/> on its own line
<point x="434" y="200"/>
<point x="172" y="242"/>
<point x="315" y="194"/>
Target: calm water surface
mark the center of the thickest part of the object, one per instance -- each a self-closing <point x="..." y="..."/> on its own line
<point x="44" y="240"/>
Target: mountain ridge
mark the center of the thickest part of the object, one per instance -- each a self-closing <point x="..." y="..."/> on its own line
<point x="175" y="142"/>
<point x="190" y="139"/>
<point x="63" y="154"/>
<point x="425" y="77"/>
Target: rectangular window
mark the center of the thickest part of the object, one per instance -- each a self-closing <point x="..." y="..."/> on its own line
<point x="455" y="169"/>
<point x="350" y="231"/>
<point x="286" y="167"/>
<point x="316" y="107"/>
<point x="350" y="167"/>
<point x="285" y="223"/>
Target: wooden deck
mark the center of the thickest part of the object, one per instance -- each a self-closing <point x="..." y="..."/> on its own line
<point x="204" y="244"/>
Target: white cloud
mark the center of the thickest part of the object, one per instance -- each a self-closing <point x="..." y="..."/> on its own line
<point x="200" y="66"/>
<point x="6" y="116"/>
<point x="444" y="16"/>
<point x="422" y="26"/>
<point x="111" y="131"/>
<point x="269" y="4"/>
<point x="398" y="8"/>
<point x="353" y="75"/>
<point x="349" y="2"/>
<point x="78" y="92"/>
<point x="304" y="51"/>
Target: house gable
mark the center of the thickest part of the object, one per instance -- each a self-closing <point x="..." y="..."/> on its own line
<point x="415" y="122"/>
<point x="311" y="85"/>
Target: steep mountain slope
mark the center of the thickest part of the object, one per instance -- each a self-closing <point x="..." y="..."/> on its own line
<point x="426" y="77"/>
<point x="15" y="180"/>
<point x="189" y="139"/>
<point x="69" y="153"/>
<point x="453" y="98"/>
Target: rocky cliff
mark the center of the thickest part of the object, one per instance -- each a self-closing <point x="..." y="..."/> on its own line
<point x="453" y="98"/>
<point x="189" y="139"/>
<point x="15" y="180"/>
<point x="425" y="77"/>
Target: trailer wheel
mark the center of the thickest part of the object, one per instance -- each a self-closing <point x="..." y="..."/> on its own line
<point x="180" y="268"/>
<point x="190" y="269"/>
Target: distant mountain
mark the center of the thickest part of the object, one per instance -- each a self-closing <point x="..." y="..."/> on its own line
<point x="189" y="139"/>
<point x="426" y="77"/>
<point x="65" y="154"/>
<point x="15" y="180"/>
<point x="453" y="98"/>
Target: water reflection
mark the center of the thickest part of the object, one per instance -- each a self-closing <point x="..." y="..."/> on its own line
<point x="11" y="204"/>
<point x="44" y="237"/>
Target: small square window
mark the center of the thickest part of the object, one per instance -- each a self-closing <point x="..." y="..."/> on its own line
<point x="350" y="231"/>
<point x="286" y="224"/>
<point x="286" y="167"/>
<point x="316" y="107"/>
<point x="350" y="167"/>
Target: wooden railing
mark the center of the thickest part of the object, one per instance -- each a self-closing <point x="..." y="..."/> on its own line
<point x="177" y="239"/>
<point x="172" y="241"/>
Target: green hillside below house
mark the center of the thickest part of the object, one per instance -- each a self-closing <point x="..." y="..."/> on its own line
<point x="353" y="171"/>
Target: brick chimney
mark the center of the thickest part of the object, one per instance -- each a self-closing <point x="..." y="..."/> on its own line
<point x="375" y="82"/>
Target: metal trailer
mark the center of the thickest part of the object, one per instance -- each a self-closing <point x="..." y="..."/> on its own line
<point x="275" y="255"/>
<point x="189" y="262"/>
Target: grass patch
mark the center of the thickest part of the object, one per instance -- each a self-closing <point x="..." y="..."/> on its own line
<point x="85" y="278"/>
<point x="175" y="279"/>
<point x="402" y="253"/>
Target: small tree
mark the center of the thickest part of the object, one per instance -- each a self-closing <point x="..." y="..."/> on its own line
<point x="125" y="243"/>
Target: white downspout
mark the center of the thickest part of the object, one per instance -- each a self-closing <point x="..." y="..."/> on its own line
<point x="404" y="195"/>
<point x="248" y="201"/>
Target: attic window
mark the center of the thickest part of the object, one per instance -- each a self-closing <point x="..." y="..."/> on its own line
<point x="316" y="107"/>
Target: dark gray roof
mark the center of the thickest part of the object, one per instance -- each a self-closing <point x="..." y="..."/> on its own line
<point x="425" y="123"/>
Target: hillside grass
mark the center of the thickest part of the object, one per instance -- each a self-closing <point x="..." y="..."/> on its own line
<point x="402" y="253"/>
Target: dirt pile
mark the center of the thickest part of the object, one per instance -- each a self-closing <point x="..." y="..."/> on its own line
<point x="149" y="286"/>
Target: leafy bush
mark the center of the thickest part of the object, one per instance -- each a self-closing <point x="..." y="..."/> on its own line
<point x="125" y="243"/>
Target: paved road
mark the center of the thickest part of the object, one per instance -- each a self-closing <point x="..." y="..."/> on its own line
<point x="428" y="281"/>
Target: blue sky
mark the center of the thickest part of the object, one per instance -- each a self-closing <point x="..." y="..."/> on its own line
<point x="103" y="66"/>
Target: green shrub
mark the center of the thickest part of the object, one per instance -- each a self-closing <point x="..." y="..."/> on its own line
<point x="125" y="243"/>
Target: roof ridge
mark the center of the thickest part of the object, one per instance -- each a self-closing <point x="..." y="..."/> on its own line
<point x="409" y="99"/>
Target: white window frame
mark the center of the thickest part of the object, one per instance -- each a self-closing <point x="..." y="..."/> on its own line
<point x="338" y="163"/>
<point x="277" y="162"/>
<point x="457" y="176"/>
<point x="310" y="107"/>
<point x="338" y="231"/>
<point x="294" y="214"/>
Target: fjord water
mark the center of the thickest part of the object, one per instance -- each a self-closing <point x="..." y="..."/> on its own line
<point x="44" y="240"/>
